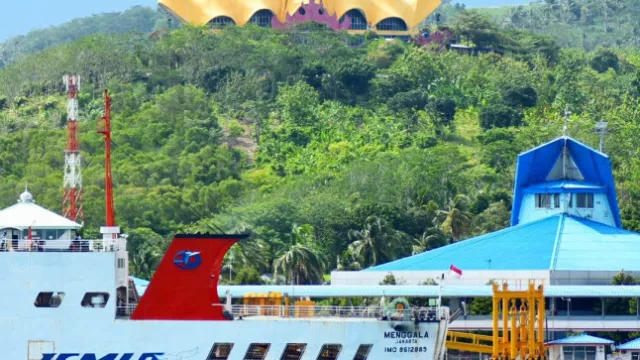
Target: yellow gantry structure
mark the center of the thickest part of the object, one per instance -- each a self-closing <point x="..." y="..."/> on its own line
<point x="518" y="326"/>
<point x="201" y="12"/>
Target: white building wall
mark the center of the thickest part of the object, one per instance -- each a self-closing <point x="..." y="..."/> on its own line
<point x="620" y="356"/>
<point x="600" y="352"/>
<point x="601" y="211"/>
<point x="555" y="352"/>
<point x="575" y="277"/>
<point x="479" y="277"/>
<point x="470" y="277"/>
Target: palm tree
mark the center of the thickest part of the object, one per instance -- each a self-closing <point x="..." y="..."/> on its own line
<point x="250" y="252"/>
<point x="455" y="220"/>
<point x="145" y="261"/>
<point x="431" y="238"/>
<point x="302" y="262"/>
<point x="373" y="243"/>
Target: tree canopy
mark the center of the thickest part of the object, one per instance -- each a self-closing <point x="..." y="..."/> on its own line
<point x="331" y="151"/>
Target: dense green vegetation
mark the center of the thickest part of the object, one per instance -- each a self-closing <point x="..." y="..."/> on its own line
<point x="584" y="24"/>
<point x="139" y="19"/>
<point x="328" y="155"/>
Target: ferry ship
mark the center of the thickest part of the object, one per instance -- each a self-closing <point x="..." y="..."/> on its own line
<point x="74" y="299"/>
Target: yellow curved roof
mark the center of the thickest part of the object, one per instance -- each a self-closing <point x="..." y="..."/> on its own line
<point x="200" y="12"/>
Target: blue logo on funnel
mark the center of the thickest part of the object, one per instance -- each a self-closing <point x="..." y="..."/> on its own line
<point x="187" y="260"/>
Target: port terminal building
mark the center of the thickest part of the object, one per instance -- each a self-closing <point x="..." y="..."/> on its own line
<point x="565" y="233"/>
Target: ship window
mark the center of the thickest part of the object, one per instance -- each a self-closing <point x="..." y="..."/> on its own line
<point x="293" y="351"/>
<point x="257" y="352"/>
<point x="49" y="299"/>
<point x="220" y="351"/>
<point x="584" y="200"/>
<point x="329" y="352"/>
<point x="363" y="352"/>
<point x="95" y="300"/>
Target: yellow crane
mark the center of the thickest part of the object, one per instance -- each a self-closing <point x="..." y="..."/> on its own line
<point x="518" y="326"/>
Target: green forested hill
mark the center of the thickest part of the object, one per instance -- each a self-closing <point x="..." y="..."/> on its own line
<point x="329" y="155"/>
<point x="584" y="24"/>
<point x="140" y="19"/>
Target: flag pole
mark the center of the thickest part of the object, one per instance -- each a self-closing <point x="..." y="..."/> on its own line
<point x="440" y="291"/>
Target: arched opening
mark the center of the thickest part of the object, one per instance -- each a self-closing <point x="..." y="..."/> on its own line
<point x="392" y="24"/>
<point x="358" y="20"/>
<point x="221" y="21"/>
<point x="262" y="18"/>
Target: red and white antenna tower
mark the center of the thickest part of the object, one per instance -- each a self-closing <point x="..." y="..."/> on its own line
<point x="72" y="198"/>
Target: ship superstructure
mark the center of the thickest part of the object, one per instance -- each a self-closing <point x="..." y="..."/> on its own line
<point x="66" y="299"/>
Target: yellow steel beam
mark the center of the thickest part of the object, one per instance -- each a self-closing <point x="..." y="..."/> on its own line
<point x="484" y="349"/>
<point x="469" y="342"/>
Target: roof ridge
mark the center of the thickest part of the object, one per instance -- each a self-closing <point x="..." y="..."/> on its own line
<point x="453" y="246"/>
<point x="556" y="243"/>
<point x="582" y="219"/>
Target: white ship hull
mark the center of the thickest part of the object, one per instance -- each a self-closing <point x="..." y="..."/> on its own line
<point x="194" y="340"/>
<point x="69" y="330"/>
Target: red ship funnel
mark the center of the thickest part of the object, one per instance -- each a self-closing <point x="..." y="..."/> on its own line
<point x="185" y="285"/>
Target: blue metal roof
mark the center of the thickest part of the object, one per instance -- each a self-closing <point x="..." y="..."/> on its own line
<point x="557" y="242"/>
<point x="631" y="345"/>
<point x="140" y="284"/>
<point x="529" y="247"/>
<point x="563" y="186"/>
<point x="589" y="245"/>
<point x="581" y="339"/>
<point x="534" y="166"/>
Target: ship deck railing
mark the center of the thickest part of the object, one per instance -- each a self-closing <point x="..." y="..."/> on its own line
<point x="322" y="311"/>
<point x="421" y="314"/>
<point x="49" y="245"/>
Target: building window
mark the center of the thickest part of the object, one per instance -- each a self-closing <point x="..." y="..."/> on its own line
<point x="329" y="352"/>
<point x="543" y="201"/>
<point x="293" y="351"/>
<point x="363" y="352"/>
<point x="584" y="201"/>
<point x="547" y="201"/>
<point x="579" y="352"/>
<point x="262" y="18"/>
<point x="392" y="24"/>
<point x="635" y="356"/>
<point x="95" y="300"/>
<point x="49" y="299"/>
<point x="358" y="20"/>
<point x="120" y="263"/>
<point x="221" y="21"/>
<point x="220" y="351"/>
<point x="257" y="352"/>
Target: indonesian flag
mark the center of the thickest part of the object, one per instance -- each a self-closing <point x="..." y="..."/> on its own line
<point x="454" y="270"/>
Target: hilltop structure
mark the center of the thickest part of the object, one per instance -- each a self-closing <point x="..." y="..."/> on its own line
<point x="390" y="18"/>
<point x="565" y="229"/>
